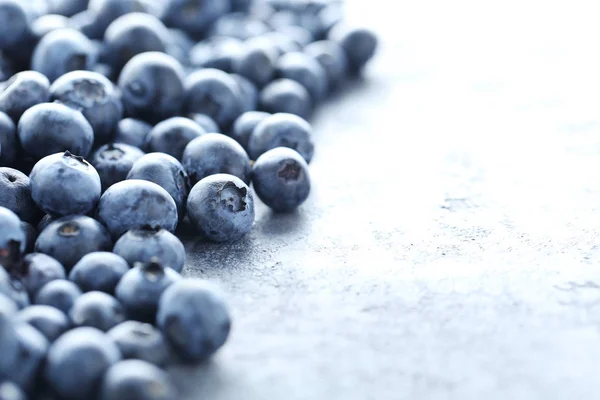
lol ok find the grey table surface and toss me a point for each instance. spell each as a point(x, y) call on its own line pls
point(449, 249)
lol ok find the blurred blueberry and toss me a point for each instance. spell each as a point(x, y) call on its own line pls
point(30, 236)
point(256, 62)
point(106, 11)
point(280, 42)
point(332, 58)
point(9, 143)
point(33, 347)
point(15, 194)
point(305, 70)
point(15, 23)
point(98, 310)
point(142, 341)
point(48, 23)
point(282, 130)
point(172, 135)
point(86, 22)
point(12, 238)
point(239, 25)
point(99, 271)
point(59, 293)
point(11, 391)
point(45, 221)
point(359, 44)
point(179, 45)
point(136, 379)
point(22, 91)
point(298, 34)
point(249, 93)
point(49, 321)
point(218, 52)
point(37, 269)
point(244, 126)
point(133, 132)
point(113, 161)
point(286, 96)
point(67, 8)
point(193, 16)
point(205, 122)
point(12, 288)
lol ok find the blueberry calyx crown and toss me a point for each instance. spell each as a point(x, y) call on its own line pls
point(289, 172)
point(233, 197)
point(70, 156)
point(112, 153)
point(153, 270)
point(69, 229)
point(145, 231)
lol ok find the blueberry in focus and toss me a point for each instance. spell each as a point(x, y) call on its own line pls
point(195, 319)
point(133, 132)
point(140, 288)
point(219, 52)
point(281, 180)
point(50, 128)
point(98, 310)
point(95, 96)
point(215, 153)
point(257, 62)
point(304, 69)
point(70, 238)
point(59, 293)
point(172, 135)
point(332, 58)
point(77, 361)
point(11, 391)
point(152, 86)
point(221, 208)
point(244, 126)
point(99, 271)
point(249, 93)
point(136, 379)
point(142, 341)
point(286, 96)
point(193, 16)
point(113, 161)
point(134, 203)
point(282, 130)
point(359, 44)
point(12, 238)
point(167, 172)
point(9, 143)
point(49, 321)
point(205, 122)
point(64, 184)
point(22, 91)
point(37, 269)
point(32, 350)
point(15, 194)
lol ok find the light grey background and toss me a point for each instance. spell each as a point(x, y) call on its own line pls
point(449, 249)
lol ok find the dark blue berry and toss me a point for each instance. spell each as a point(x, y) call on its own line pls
point(15, 26)
point(22, 91)
point(193, 16)
point(245, 124)
point(106, 11)
point(67, 8)
point(97, 310)
point(32, 350)
point(172, 135)
point(218, 52)
point(12, 237)
point(12, 288)
point(239, 25)
point(136, 379)
point(99, 271)
point(8, 336)
point(49, 321)
point(58, 293)
point(282, 130)
point(15, 194)
point(37, 269)
point(304, 69)
point(30, 236)
point(257, 62)
point(133, 132)
point(286, 96)
point(142, 341)
point(249, 93)
point(48, 23)
point(113, 162)
point(332, 58)
point(179, 45)
point(205, 122)
point(359, 44)
point(9, 143)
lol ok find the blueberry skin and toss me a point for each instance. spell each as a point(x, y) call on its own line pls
point(8, 336)
point(147, 244)
point(12, 237)
point(45, 221)
point(282, 130)
point(15, 26)
point(50, 128)
point(22, 91)
point(239, 25)
point(9, 143)
point(67, 8)
point(218, 52)
point(249, 93)
point(304, 69)
point(49, 321)
point(98, 310)
point(141, 287)
point(59, 293)
point(132, 34)
point(133, 132)
point(286, 96)
point(30, 236)
point(215, 153)
point(221, 208)
point(99, 271)
point(205, 122)
point(152, 86)
point(136, 379)
point(167, 172)
point(194, 17)
point(280, 42)
point(12, 288)
point(257, 62)
point(70, 238)
point(64, 184)
point(11, 391)
point(95, 96)
point(77, 361)
point(134, 203)
point(179, 45)
point(48, 23)
point(245, 124)
point(33, 348)
point(298, 34)
point(15, 194)
point(172, 135)
point(281, 179)
point(113, 162)
point(359, 44)
point(61, 51)
point(214, 93)
point(106, 11)
point(194, 317)
point(38, 269)
point(332, 58)
point(142, 341)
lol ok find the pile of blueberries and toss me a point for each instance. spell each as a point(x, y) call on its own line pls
point(120, 120)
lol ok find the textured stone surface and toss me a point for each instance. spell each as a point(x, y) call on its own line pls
point(449, 249)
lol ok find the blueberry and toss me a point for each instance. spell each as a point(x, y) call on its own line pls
point(221, 208)
point(15, 19)
point(286, 96)
point(172, 135)
point(152, 86)
point(136, 379)
point(329, 16)
point(58, 293)
point(298, 34)
point(242, 5)
point(281, 179)
point(304, 69)
point(15, 194)
point(132, 34)
point(214, 93)
point(30, 236)
point(12, 238)
point(113, 162)
point(9, 143)
point(95, 96)
point(12, 288)
point(359, 44)
point(86, 22)
point(332, 58)
point(11, 391)
point(99, 271)
point(62, 51)
point(282, 130)
point(179, 45)
point(193, 16)
point(7, 67)
point(64, 184)
point(67, 8)
point(257, 62)
point(280, 42)
point(48, 23)
point(215, 153)
point(134, 203)
point(239, 25)
point(245, 124)
point(70, 238)
point(77, 361)
point(141, 287)
point(32, 350)
point(45, 221)
point(205, 122)
point(194, 317)
point(133, 132)
point(22, 91)
point(106, 11)
point(37, 269)
point(218, 52)
point(97, 310)
point(146, 244)
point(168, 173)
point(49, 321)
point(142, 341)
point(249, 93)
point(8, 336)
point(50, 128)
